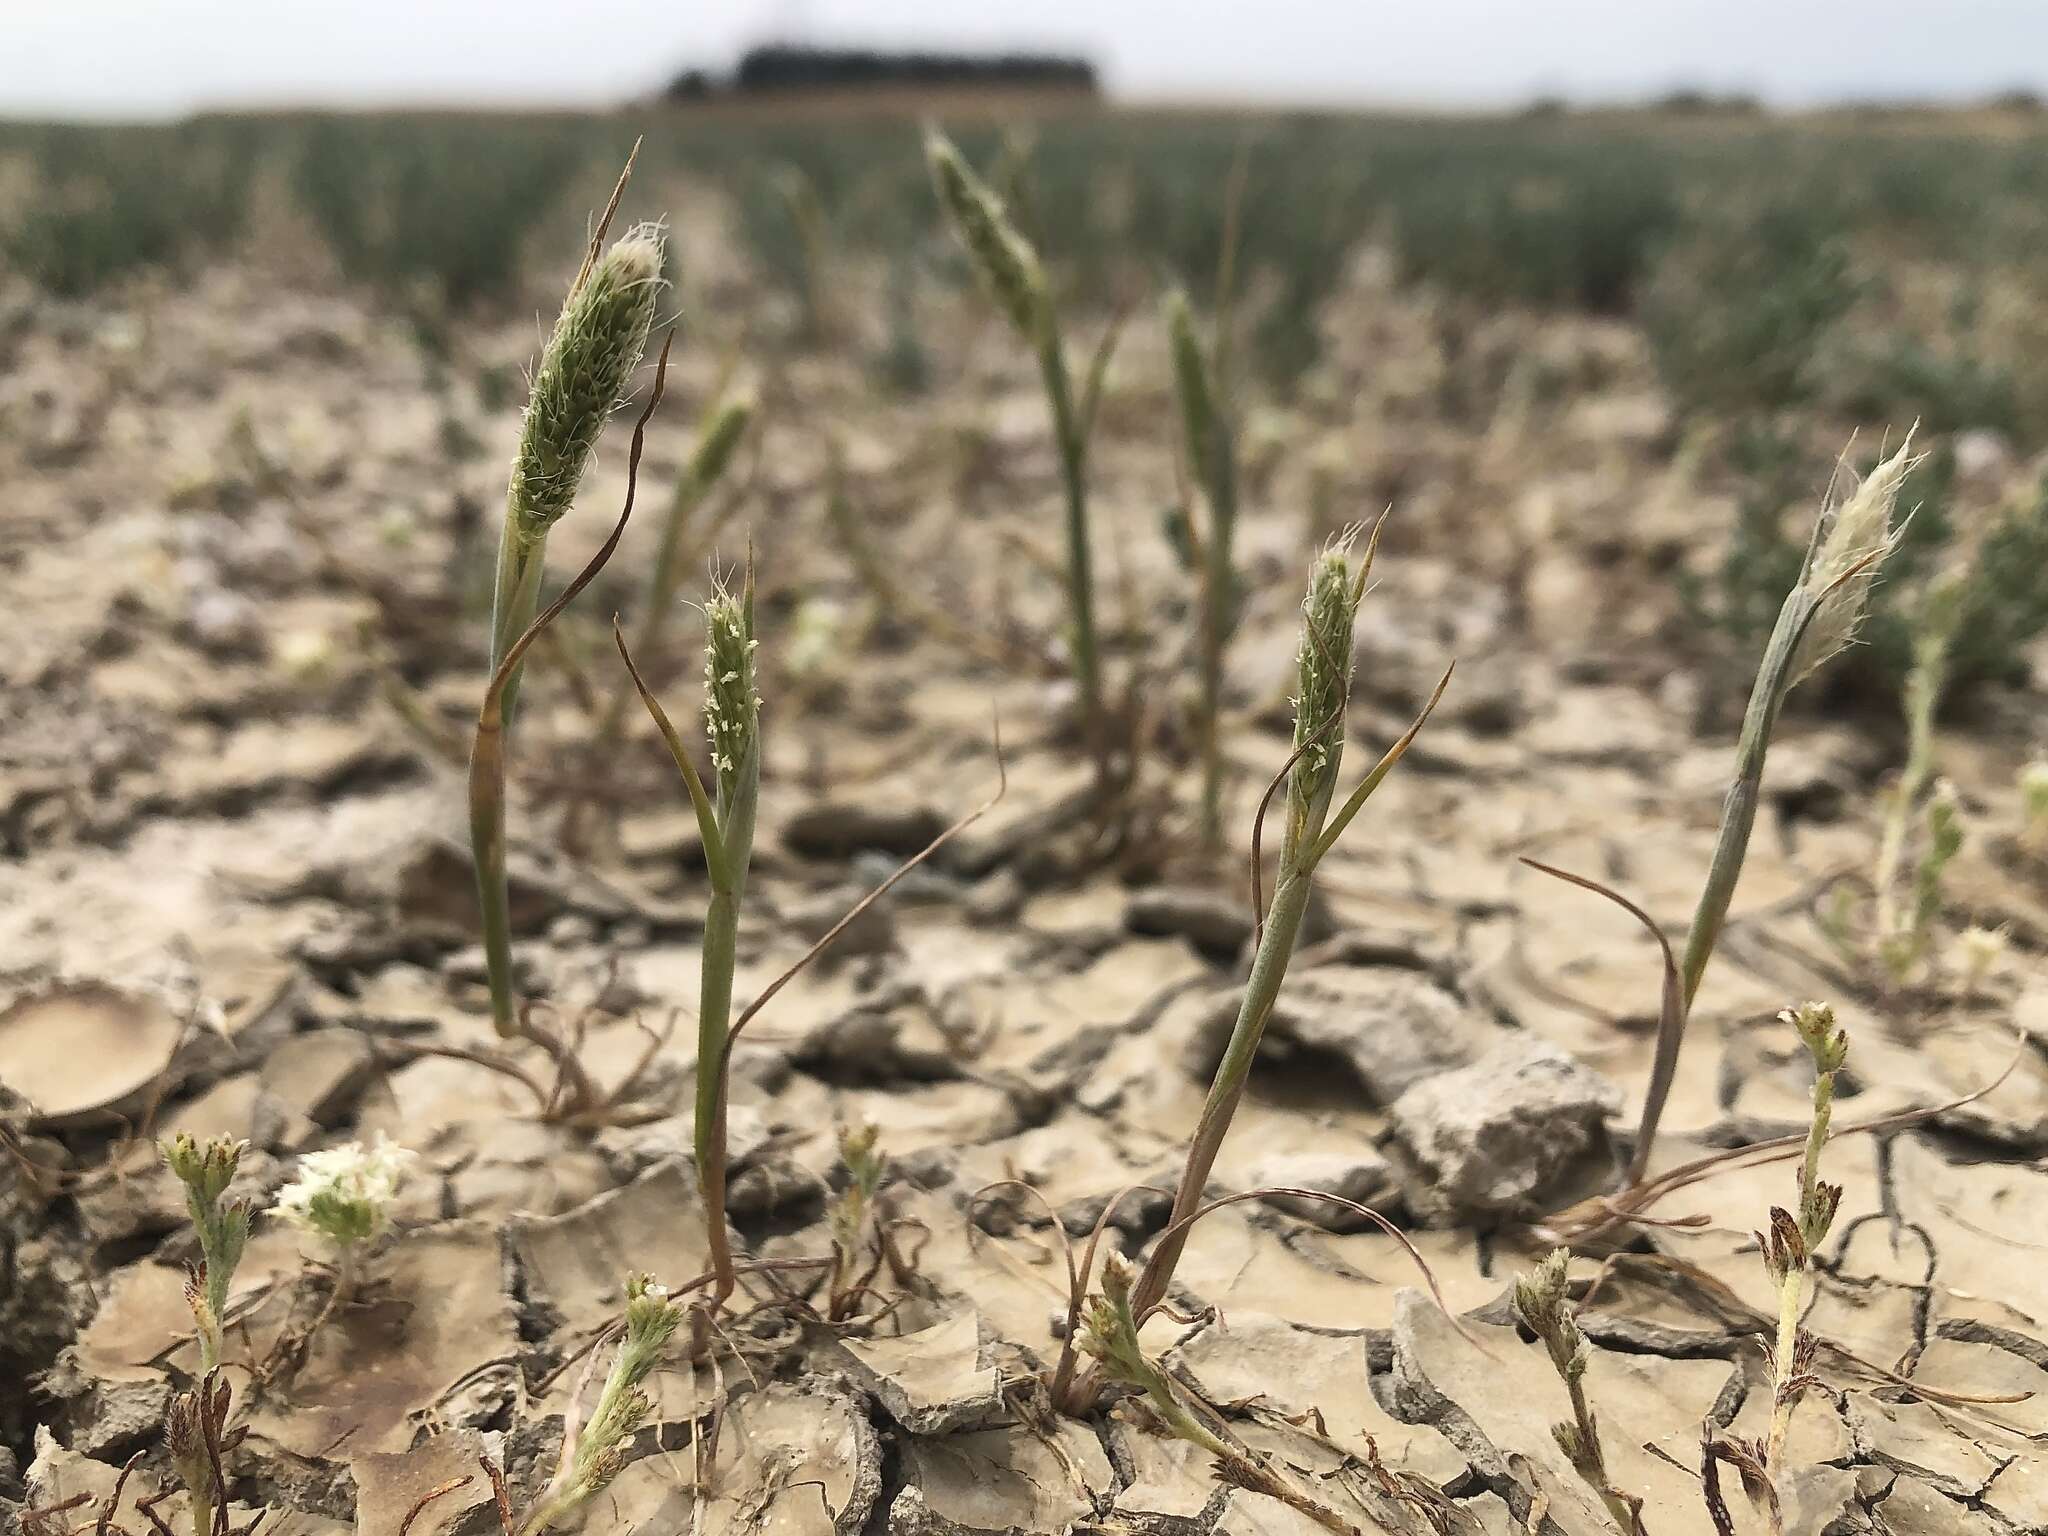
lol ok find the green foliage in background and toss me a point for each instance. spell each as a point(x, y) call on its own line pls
point(103, 203)
point(434, 211)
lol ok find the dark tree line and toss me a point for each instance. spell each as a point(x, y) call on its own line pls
point(795, 67)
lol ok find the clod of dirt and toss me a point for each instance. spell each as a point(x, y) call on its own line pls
point(1393, 1027)
point(1268, 1365)
point(1646, 1405)
point(840, 829)
point(47, 1294)
point(83, 1051)
point(932, 1382)
point(631, 1150)
point(431, 1336)
point(319, 1075)
point(873, 932)
point(1360, 1174)
point(1009, 1479)
point(1214, 921)
point(1488, 1139)
point(390, 1483)
point(575, 1264)
point(793, 1460)
point(106, 1420)
point(57, 1474)
point(893, 1037)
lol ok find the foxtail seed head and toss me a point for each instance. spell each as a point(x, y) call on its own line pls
point(583, 374)
point(1323, 681)
point(1191, 385)
point(720, 437)
point(1856, 537)
point(732, 709)
point(1007, 265)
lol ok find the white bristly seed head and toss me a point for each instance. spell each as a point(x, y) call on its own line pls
point(1859, 534)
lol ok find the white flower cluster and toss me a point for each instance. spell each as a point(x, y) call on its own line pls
point(344, 1193)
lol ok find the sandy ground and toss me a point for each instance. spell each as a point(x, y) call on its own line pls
point(236, 899)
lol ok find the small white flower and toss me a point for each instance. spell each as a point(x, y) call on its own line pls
point(1978, 951)
point(344, 1193)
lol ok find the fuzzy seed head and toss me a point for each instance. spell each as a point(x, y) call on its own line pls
point(1543, 1300)
point(583, 374)
point(1003, 258)
point(652, 1315)
point(1109, 1328)
point(1191, 385)
point(1784, 1246)
point(720, 437)
point(1323, 675)
point(1119, 1277)
point(206, 1171)
point(732, 709)
point(1819, 1214)
point(1858, 535)
point(857, 1151)
point(1815, 1025)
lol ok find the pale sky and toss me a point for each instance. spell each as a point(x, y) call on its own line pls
point(155, 58)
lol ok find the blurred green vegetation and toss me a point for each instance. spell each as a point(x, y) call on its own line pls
point(1759, 254)
point(1791, 277)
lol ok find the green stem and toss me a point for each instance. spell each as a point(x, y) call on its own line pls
point(714, 1011)
point(1791, 1302)
point(1080, 575)
point(1218, 597)
point(514, 601)
point(1923, 693)
point(1809, 1172)
point(1731, 845)
point(487, 837)
point(1262, 991)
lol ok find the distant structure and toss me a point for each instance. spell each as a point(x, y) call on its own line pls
point(776, 68)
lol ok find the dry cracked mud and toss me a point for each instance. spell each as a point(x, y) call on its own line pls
point(236, 900)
